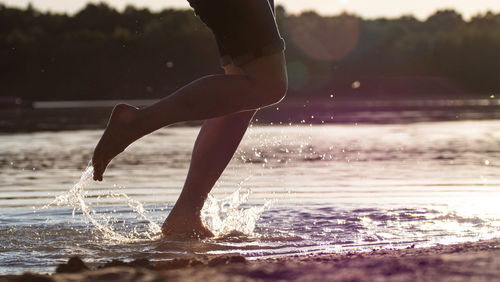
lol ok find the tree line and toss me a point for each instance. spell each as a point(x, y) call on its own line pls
point(102, 53)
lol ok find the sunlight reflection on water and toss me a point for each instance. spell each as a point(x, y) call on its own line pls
point(306, 190)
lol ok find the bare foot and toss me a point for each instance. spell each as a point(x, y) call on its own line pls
point(120, 132)
point(185, 227)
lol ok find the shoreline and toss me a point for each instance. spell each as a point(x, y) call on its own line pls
point(89, 116)
point(470, 261)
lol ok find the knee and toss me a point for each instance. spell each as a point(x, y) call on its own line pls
point(271, 90)
point(269, 77)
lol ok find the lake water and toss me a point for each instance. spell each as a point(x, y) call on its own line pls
point(292, 189)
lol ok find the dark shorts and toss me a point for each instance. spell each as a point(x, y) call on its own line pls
point(244, 29)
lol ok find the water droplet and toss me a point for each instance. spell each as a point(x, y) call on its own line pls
point(75, 198)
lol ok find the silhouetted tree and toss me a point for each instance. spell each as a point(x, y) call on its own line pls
point(101, 53)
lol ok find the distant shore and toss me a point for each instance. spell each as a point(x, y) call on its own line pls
point(77, 115)
point(474, 261)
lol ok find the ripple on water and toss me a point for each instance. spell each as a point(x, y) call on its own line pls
point(333, 188)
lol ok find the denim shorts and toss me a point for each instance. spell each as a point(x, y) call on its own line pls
point(244, 29)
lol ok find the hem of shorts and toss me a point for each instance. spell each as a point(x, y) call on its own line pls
point(238, 61)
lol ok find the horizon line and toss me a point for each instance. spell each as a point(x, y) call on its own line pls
point(288, 12)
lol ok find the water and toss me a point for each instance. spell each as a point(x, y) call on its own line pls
point(288, 190)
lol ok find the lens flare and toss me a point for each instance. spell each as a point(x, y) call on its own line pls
point(326, 40)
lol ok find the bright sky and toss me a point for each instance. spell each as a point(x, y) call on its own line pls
point(365, 8)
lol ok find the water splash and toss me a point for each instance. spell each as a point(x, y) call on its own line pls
point(222, 217)
point(227, 216)
point(75, 198)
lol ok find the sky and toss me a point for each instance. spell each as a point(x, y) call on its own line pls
point(365, 8)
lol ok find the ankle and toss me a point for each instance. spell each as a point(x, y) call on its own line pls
point(146, 122)
point(185, 212)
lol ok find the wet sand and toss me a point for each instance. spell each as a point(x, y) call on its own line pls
point(476, 261)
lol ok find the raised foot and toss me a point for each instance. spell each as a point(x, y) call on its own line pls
point(182, 227)
point(120, 132)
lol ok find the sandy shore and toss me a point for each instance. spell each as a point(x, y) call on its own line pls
point(477, 261)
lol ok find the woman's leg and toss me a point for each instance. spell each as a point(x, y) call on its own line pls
point(263, 82)
point(216, 143)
